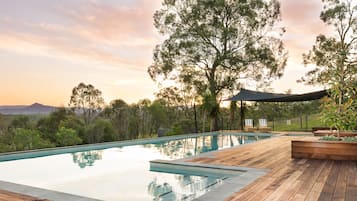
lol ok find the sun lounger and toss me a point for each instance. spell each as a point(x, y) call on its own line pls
point(263, 125)
point(248, 125)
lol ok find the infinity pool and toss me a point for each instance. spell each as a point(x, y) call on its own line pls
point(123, 172)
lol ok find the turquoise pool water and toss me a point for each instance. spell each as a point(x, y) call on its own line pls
point(123, 172)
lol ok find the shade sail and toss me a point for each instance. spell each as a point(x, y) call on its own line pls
point(248, 95)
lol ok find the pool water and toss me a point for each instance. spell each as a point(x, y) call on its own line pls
point(122, 173)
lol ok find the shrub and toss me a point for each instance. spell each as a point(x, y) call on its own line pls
point(101, 130)
point(334, 138)
point(350, 139)
point(67, 137)
point(330, 138)
point(25, 139)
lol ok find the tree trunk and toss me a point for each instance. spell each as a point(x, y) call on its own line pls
point(204, 122)
point(233, 108)
point(196, 126)
point(214, 106)
point(214, 119)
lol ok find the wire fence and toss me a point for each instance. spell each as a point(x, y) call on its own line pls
point(302, 123)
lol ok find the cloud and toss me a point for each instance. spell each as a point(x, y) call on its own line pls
point(302, 23)
point(117, 35)
point(34, 44)
point(117, 24)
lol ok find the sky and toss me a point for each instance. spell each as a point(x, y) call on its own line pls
point(49, 47)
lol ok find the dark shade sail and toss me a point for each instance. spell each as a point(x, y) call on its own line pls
point(248, 95)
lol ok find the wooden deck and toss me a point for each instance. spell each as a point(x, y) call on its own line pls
point(289, 179)
point(10, 196)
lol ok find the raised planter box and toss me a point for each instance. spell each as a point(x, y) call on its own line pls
point(330, 150)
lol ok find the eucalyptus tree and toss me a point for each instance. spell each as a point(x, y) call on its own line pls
point(335, 58)
point(143, 116)
point(180, 102)
point(213, 44)
point(119, 113)
point(173, 100)
point(87, 100)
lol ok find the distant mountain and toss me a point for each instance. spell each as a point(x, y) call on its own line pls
point(35, 108)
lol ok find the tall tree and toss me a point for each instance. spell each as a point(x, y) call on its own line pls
point(119, 113)
point(335, 58)
point(87, 100)
point(212, 44)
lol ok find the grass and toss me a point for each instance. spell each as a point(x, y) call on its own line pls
point(297, 124)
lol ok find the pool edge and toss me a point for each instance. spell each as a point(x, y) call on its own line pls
point(42, 193)
point(232, 184)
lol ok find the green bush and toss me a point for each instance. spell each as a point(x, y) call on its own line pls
point(175, 130)
point(5, 148)
point(26, 139)
point(101, 130)
point(334, 138)
point(330, 138)
point(350, 139)
point(67, 137)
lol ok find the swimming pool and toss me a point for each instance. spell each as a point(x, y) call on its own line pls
point(121, 171)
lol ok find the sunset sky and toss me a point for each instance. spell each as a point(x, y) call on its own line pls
point(48, 47)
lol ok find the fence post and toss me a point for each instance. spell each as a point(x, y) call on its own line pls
point(273, 123)
point(306, 121)
point(300, 121)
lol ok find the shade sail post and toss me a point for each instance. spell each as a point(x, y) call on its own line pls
point(241, 115)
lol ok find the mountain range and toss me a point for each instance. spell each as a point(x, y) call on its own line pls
point(35, 108)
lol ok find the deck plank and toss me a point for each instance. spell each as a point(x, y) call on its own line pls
point(351, 190)
point(288, 179)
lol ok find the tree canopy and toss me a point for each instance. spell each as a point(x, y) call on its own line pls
point(213, 44)
point(335, 58)
point(87, 100)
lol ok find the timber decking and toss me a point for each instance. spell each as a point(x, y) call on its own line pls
point(289, 179)
point(10, 196)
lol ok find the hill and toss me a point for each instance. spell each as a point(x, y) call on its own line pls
point(35, 108)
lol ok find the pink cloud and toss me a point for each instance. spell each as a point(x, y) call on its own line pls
point(302, 23)
point(114, 23)
point(35, 44)
point(112, 34)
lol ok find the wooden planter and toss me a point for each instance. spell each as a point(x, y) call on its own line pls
point(330, 150)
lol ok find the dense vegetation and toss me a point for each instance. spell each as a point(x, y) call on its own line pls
point(168, 114)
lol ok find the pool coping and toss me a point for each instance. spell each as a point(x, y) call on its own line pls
point(229, 186)
point(42, 193)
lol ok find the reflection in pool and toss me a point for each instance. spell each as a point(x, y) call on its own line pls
point(86, 158)
point(122, 173)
